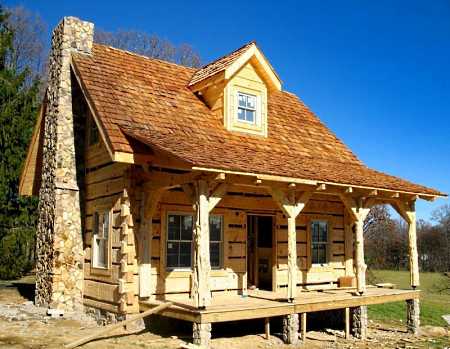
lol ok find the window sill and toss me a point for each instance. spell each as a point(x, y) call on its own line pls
point(183, 273)
point(101, 271)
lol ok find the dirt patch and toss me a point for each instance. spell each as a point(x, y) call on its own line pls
point(22, 325)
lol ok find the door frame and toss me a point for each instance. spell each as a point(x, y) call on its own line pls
point(274, 248)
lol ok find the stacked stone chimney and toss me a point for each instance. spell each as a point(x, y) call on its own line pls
point(59, 268)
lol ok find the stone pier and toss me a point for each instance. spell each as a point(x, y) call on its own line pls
point(359, 320)
point(413, 316)
point(59, 267)
point(202, 334)
point(290, 329)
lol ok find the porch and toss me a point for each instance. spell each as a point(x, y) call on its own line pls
point(265, 304)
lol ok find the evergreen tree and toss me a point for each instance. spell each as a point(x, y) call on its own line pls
point(18, 109)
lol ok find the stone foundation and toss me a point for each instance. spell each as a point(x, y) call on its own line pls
point(59, 246)
point(413, 316)
point(358, 318)
point(290, 329)
point(202, 334)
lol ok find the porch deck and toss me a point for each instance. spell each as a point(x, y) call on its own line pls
point(265, 304)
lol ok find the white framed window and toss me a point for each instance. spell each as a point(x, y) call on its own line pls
point(319, 242)
point(246, 111)
point(179, 247)
point(101, 234)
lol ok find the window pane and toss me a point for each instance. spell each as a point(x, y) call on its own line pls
point(251, 102)
point(323, 232)
point(173, 227)
point(100, 262)
point(314, 258)
point(185, 254)
point(241, 114)
point(321, 254)
point(214, 253)
point(172, 254)
point(105, 225)
point(315, 232)
point(250, 115)
point(215, 228)
point(241, 100)
point(186, 227)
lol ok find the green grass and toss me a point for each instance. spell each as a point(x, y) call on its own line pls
point(434, 302)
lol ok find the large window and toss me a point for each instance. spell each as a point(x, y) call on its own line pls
point(101, 233)
point(179, 241)
point(246, 108)
point(319, 242)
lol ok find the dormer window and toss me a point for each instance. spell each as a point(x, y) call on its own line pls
point(246, 108)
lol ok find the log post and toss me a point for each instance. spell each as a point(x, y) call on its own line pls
point(149, 202)
point(201, 292)
point(358, 210)
point(407, 211)
point(291, 204)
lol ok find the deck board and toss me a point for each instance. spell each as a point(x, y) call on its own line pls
point(261, 304)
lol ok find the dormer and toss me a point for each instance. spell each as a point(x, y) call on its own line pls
point(235, 87)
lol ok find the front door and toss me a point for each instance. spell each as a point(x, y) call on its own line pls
point(260, 251)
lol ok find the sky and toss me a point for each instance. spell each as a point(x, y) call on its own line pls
point(376, 72)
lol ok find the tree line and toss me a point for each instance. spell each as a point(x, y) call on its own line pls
point(386, 241)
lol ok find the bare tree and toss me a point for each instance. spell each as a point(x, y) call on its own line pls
point(29, 36)
point(149, 45)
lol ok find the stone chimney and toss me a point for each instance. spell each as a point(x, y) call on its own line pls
point(60, 256)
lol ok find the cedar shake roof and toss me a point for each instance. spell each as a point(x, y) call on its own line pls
point(219, 65)
point(149, 101)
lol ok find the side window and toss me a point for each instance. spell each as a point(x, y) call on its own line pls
point(216, 241)
point(179, 241)
point(100, 245)
point(319, 242)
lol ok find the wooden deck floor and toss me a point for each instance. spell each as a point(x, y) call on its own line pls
point(262, 304)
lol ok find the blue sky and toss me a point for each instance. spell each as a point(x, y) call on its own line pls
point(376, 72)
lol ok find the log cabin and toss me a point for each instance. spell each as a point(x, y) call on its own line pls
point(212, 188)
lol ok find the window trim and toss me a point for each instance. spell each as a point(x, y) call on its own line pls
point(327, 243)
point(166, 240)
point(97, 269)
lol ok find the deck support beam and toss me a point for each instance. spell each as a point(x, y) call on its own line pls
point(290, 329)
point(291, 204)
point(267, 327)
point(413, 316)
point(202, 334)
point(303, 326)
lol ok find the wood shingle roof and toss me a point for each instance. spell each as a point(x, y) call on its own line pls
point(149, 100)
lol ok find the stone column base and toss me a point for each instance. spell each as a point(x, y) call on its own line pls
point(290, 329)
point(358, 317)
point(202, 334)
point(413, 316)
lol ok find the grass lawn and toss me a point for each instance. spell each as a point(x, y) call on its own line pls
point(434, 302)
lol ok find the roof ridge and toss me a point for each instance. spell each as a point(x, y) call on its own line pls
point(146, 57)
point(228, 54)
